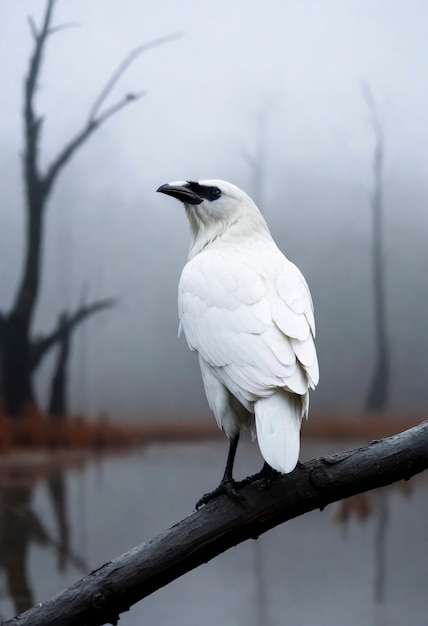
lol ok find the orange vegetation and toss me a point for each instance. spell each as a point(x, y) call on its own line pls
point(362, 427)
point(37, 430)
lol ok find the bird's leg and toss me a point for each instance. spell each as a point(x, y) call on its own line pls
point(267, 473)
point(227, 484)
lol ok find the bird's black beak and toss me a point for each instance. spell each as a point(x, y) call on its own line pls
point(181, 192)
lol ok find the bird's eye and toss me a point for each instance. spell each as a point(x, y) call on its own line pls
point(215, 193)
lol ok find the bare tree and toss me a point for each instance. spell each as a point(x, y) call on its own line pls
point(377, 396)
point(256, 158)
point(103, 595)
point(19, 356)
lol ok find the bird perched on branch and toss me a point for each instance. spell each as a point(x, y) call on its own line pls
point(247, 311)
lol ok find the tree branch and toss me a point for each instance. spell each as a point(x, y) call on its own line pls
point(121, 69)
point(111, 589)
point(95, 118)
point(31, 122)
point(42, 345)
point(371, 105)
point(56, 29)
point(33, 28)
point(28, 286)
point(70, 148)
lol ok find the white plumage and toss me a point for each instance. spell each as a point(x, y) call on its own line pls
point(247, 311)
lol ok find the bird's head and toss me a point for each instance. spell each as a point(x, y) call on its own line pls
point(213, 207)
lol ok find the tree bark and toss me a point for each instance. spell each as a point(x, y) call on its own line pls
point(16, 384)
point(103, 595)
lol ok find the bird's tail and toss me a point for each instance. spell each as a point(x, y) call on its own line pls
point(278, 420)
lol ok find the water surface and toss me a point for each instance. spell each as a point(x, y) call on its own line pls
point(361, 562)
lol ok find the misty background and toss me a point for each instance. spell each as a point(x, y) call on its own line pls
point(276, 81)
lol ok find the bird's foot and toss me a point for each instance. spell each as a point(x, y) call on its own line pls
point(226, 487)
point(267, 474)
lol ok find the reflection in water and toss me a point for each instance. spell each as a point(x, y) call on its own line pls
point(374, 504)
point(380, 544)
point(262, 617)
point(358, 506)
point(56, 485)
point(21, 526)
point(56, 489)
point(304, 572)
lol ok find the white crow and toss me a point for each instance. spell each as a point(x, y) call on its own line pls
point(247, 311)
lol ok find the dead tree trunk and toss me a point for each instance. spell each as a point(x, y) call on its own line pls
point(378, 392)
point(256, 158)
point(16, 373)
point(17, 380)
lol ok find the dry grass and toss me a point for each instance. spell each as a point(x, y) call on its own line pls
point(362, 427)
point(36, 430)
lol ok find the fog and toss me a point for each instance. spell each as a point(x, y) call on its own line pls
point(299, 65)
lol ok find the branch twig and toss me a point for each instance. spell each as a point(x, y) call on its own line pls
point(121, 69)
point(95, 118)
point(42, 345)
point(33, 28)
point(56, 29)
point(368, 96)
point(32, 123)
point(111, 589)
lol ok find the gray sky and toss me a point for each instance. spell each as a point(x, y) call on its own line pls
point(108, 231)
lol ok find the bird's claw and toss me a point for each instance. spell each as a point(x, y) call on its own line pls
point(226, 487)
point(267, 474)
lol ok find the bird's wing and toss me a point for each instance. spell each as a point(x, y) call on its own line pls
point(249, 315)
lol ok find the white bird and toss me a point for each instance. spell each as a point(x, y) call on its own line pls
point(248, 313)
